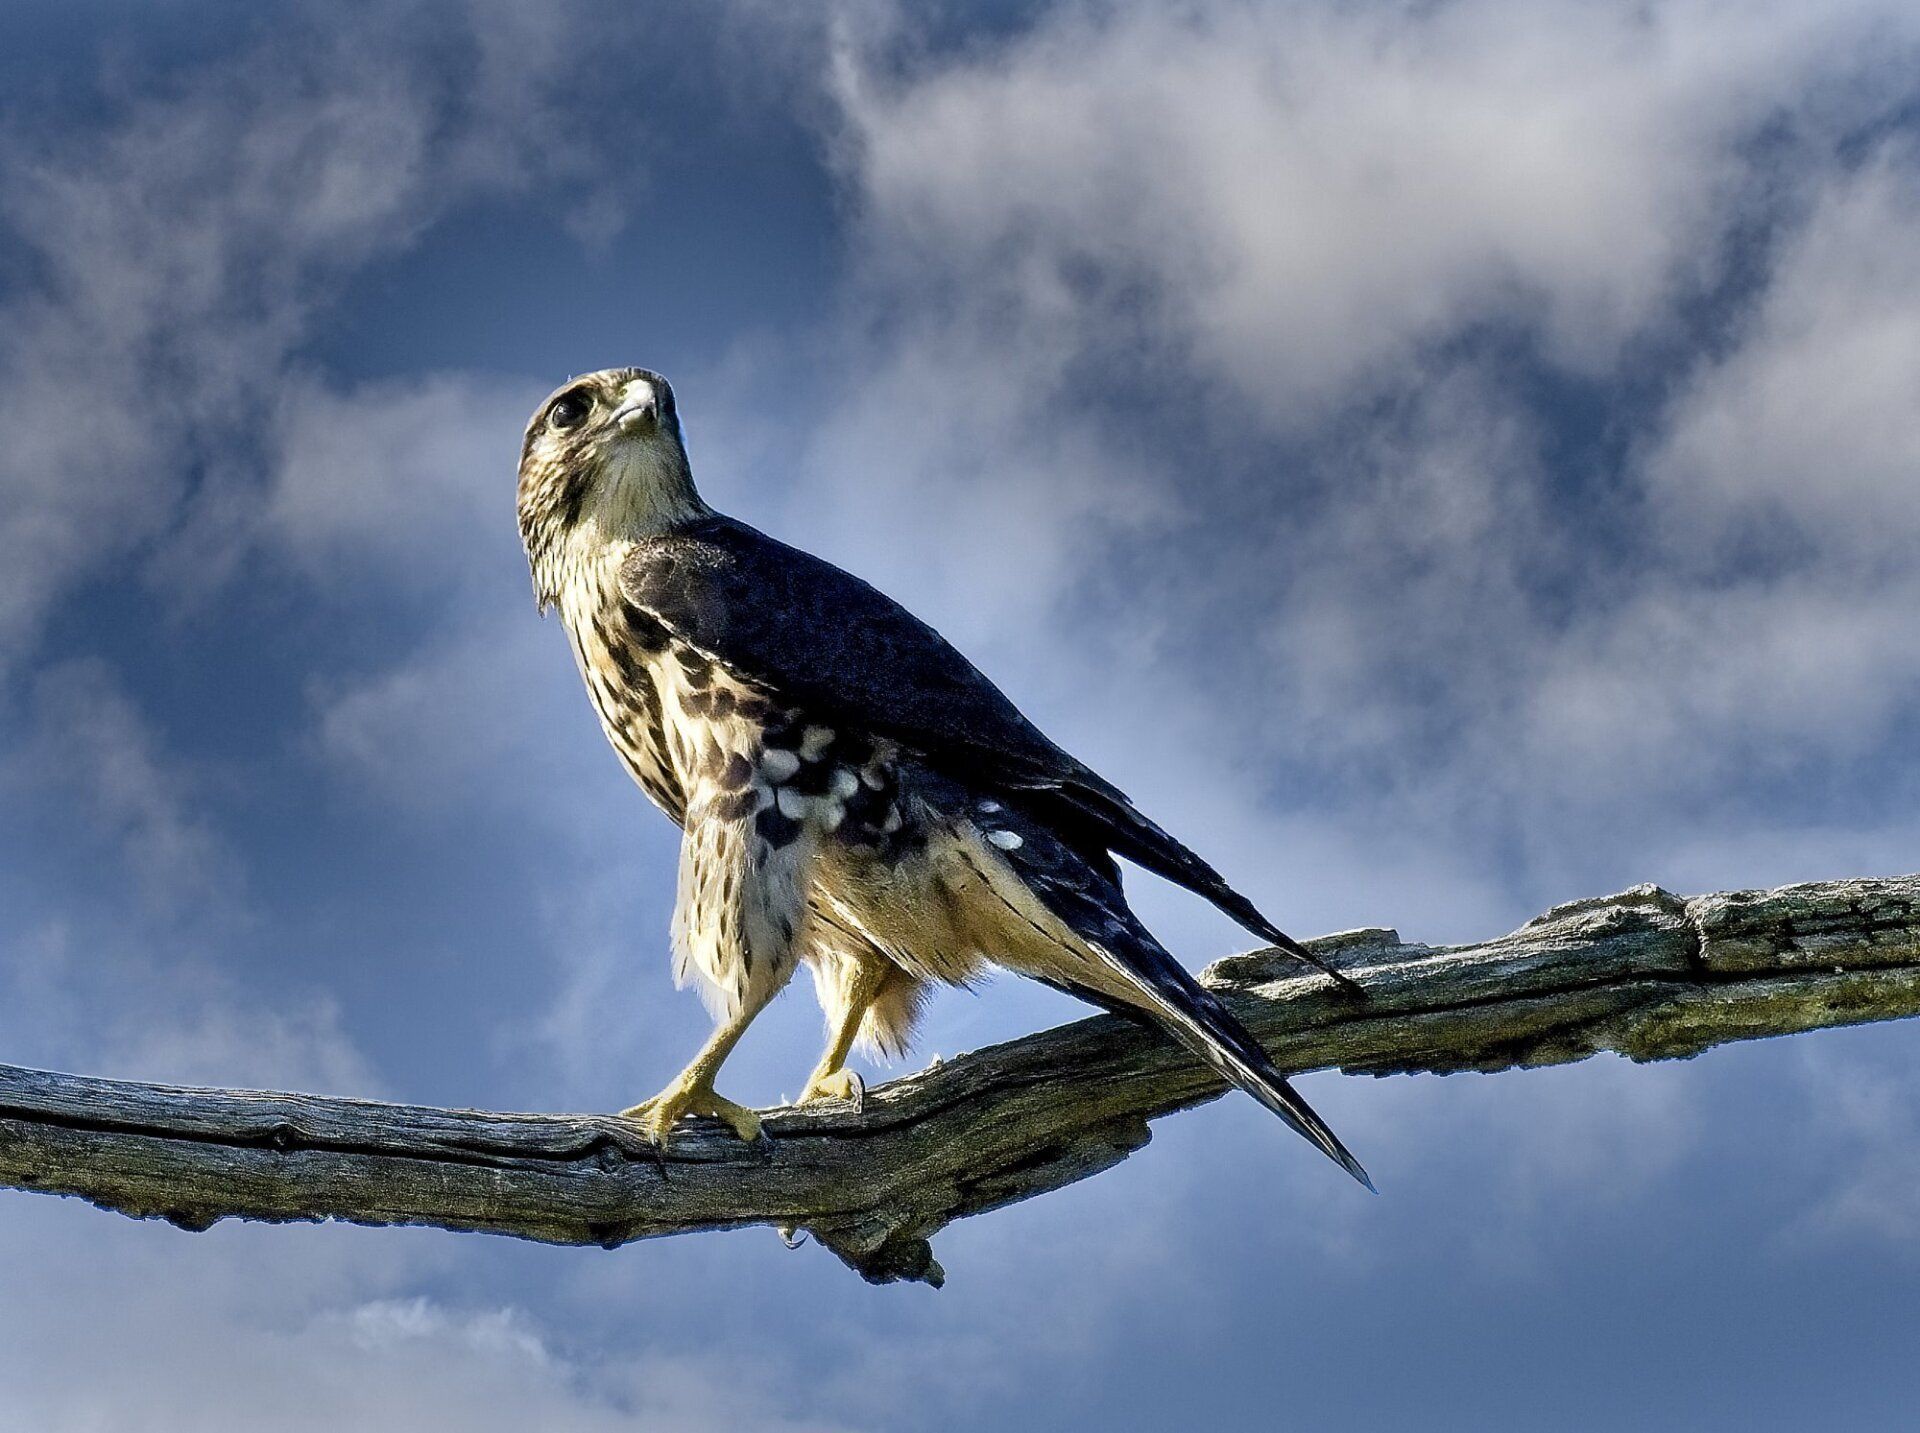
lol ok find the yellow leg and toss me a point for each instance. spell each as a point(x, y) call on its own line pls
point(831, 1079)
point(692, 1093)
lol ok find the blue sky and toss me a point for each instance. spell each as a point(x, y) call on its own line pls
point(1442, 459)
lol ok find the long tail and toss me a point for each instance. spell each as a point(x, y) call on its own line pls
point(1162, 990)
point(1196, 1017)
point(1149, 983)
point(1139, 838)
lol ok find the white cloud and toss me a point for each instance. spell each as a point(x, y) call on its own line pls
point(947, 468)
point(108, 994)
point(405, 481)
point(1685, 683)
point(1293, 221)
point(1801, 439)
point(1859, 1096)
point(1778, 618)
point(1297, 196)
point(477, 715)
point(182, 248)
point(89, 741)
point(219, 1039)
point(126, 984)
point(1306, 221)
point(294, 1329)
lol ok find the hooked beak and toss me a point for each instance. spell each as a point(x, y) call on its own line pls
point(639, 410)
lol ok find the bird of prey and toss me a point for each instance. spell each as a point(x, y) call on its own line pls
point(854, 794)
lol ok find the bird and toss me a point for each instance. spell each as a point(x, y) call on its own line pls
point(854, 795)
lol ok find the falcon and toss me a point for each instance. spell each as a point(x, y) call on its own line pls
point(854, 795)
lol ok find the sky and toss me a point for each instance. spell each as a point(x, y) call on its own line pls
point(1442, 459)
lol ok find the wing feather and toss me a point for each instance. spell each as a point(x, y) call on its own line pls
point(809, 634)
point(820, 638)
point(1094, 910)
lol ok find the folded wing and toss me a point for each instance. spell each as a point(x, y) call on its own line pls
point(812, 636)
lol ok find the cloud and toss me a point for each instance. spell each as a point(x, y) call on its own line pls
point(1346, 427)
point(1859, 1095)
point(125, 980)
point(1329, 326)
point(397, 496)
point(90, 743)
point(471, 716)
point(110, 995)
point(182, 247)
point(1799, 441)
point(329, 1339)
point(405, 482)
point(1294, 199)
point(1783, 513)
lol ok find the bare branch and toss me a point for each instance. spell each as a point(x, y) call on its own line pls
point(1643, 973)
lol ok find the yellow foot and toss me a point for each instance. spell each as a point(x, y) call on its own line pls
point(658, 1115)
point(839, 1085)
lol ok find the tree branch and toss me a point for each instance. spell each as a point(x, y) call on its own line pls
point(1643, 973)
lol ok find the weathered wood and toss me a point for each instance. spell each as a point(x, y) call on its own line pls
point(1643, 973)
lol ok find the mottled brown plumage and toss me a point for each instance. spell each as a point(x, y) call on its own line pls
point(854, 793)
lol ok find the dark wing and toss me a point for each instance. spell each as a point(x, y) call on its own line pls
point(1166, 996)
point(821, 639)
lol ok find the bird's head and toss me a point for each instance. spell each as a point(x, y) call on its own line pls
point(602, 460)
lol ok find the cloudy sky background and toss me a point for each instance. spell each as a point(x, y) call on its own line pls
point(1444, 459)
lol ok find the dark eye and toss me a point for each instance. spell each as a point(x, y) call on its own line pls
point(569, 410)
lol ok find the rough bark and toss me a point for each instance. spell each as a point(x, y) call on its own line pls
point(1643, 973)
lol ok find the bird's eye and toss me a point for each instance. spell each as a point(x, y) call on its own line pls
point(569, 410)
